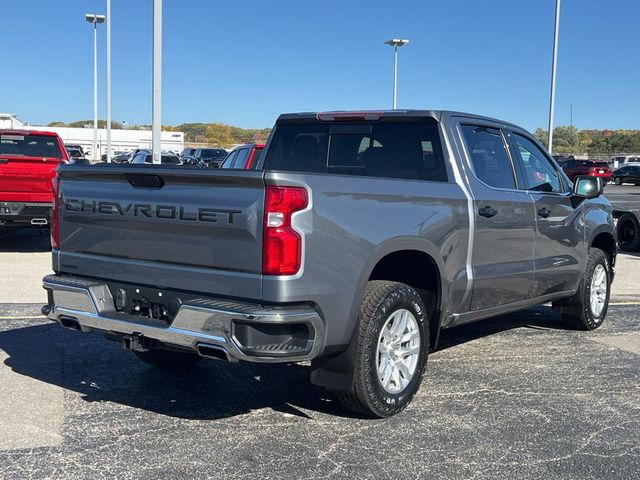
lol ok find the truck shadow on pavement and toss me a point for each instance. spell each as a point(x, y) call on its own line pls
point(101, 371)
point(28, 240)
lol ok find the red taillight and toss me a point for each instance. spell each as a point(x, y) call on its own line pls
point(54, 225)
point(282, 245)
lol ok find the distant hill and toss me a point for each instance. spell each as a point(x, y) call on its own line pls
point(213, 133)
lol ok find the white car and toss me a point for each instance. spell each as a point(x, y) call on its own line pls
point(623, 159)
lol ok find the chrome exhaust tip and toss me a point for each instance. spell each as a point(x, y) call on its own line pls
point(39, 221)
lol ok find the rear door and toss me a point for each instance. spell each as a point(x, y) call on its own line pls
point(188, 229)
point(27, 165)
point(559, 241)
point(503, 252)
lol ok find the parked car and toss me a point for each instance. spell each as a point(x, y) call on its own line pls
point(187, 152)
point(123, 157)
point(561, 159)
point(28, 160)
point(146, 157)
point(354, 246)
point(574, 168)
point(209, 157)
point(76, 156)
point(627, 174)
point(77, 147)
point(243, 157)
point(623, 160)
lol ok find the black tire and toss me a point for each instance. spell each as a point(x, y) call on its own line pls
point(628, 232)
point(577, 311)
point(617, 181)
point(381, 300)
point(168, 359)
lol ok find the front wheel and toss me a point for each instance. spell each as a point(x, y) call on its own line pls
point(392, 343)
point(617, 181)
point(587, 309)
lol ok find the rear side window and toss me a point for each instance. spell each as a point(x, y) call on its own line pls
point(408, 150)
point(30, 145)
point(489, 157)
point(241, 159)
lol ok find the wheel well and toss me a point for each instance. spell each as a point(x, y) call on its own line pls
point(606, 242)
point(418, 270)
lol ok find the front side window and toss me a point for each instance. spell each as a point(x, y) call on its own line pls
point(538, 173)
point(489, 156)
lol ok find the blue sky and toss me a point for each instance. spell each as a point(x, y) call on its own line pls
point(246, 61)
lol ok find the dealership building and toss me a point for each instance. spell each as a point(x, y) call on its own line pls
point(120, 139)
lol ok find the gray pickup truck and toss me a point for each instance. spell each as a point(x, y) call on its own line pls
point(357, 238)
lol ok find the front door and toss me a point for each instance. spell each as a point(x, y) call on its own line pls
point(503, 266)
point(559, 234)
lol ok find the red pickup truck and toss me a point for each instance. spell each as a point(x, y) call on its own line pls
point(28, 161)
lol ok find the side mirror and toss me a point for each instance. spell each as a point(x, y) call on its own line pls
point(587, 187)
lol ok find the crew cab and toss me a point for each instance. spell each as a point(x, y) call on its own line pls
point(28, 160)
point(357, 240)
point(243, 157)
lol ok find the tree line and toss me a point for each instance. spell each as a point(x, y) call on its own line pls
point(218, 134)
point(567, 139)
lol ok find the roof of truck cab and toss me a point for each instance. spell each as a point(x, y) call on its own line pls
point(388, 114)
point(9, 131)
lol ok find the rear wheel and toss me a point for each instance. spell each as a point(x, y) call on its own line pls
point(628, 232)
point(391, 351)
point(617, 181)
point(587, 309)
point(168, 359)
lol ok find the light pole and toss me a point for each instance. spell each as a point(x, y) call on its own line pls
point(553, 74)
point(95, 20)
point(108, 81)
point(156, 140)
point(395, 43)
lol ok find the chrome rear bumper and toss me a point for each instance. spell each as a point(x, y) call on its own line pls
point(200, 322)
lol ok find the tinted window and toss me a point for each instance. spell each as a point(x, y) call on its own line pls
point(489, 157)
point(228, 162)
point(408, 150)
point(29, 145)
point(241, 159)
point(538, 172)
point(212, 153)
point(256, 157)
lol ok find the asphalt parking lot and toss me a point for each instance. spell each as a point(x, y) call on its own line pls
point(512, 397)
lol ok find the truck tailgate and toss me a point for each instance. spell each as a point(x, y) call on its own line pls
point(170, 227)
point(26, 179)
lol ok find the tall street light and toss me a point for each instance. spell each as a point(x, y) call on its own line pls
point(553, 74)
point(108, 81)
point(395, 43)
point(156, 117)
point(95, 19)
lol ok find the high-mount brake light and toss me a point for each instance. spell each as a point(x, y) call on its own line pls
point(282, 245)
point(55, 209)
point(349, 116)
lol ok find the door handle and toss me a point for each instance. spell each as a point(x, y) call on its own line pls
point(487, 212)
point(544, 212)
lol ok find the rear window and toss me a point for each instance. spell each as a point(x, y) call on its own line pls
point(29, 145)
point(409, 150)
